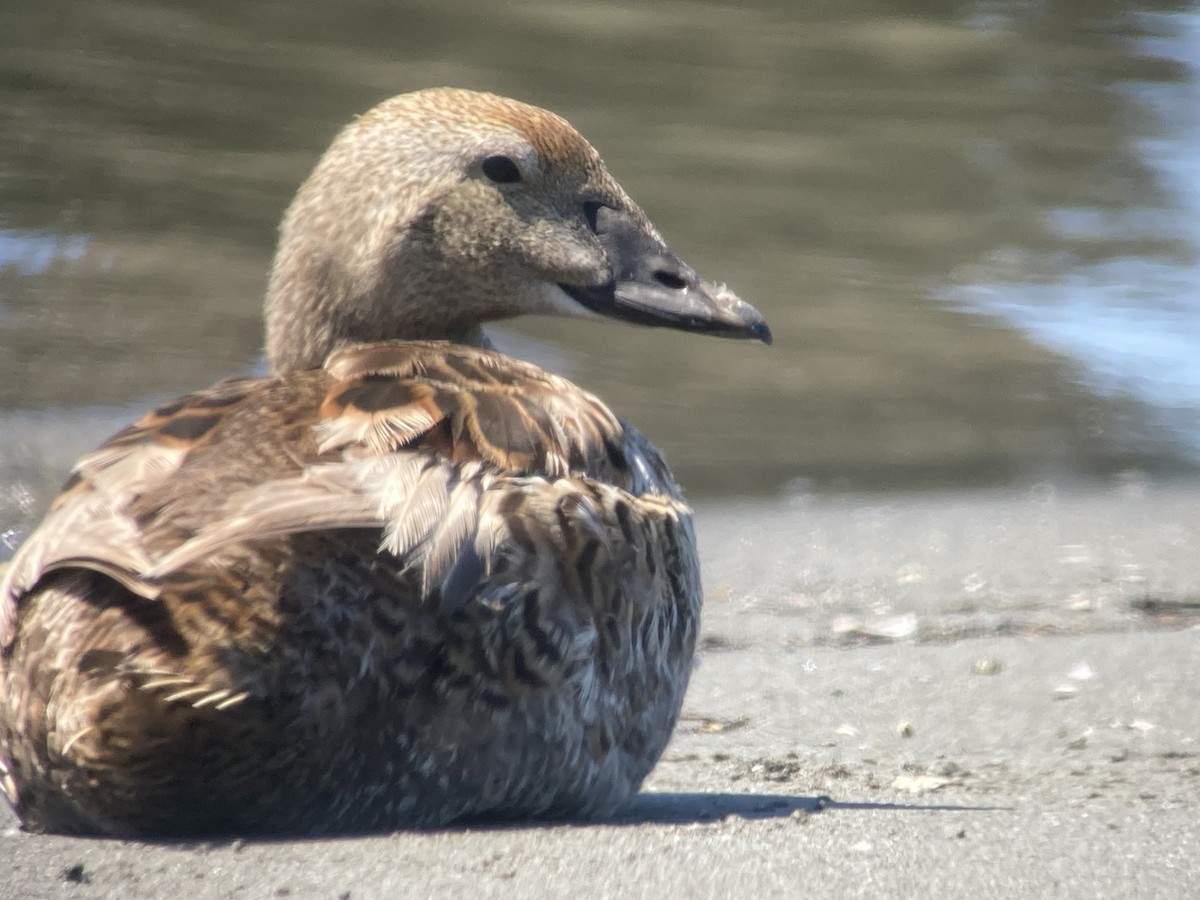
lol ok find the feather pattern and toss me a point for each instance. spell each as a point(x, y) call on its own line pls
point(488, 489)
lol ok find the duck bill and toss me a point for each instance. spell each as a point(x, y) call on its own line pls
point(652, 286)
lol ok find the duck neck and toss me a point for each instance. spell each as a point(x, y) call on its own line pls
point(309, 316)
point(311, 353)
point(473, 337)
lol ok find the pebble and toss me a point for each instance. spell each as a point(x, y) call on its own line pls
point(1082, 672)
point(986, 666)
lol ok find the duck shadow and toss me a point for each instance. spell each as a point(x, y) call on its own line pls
point(684, 808)
point(665, 808)
point(656, 808)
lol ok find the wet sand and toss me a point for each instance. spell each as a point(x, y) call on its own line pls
point(954, 695)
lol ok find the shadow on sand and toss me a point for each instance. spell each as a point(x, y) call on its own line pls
point(676, 808)
point(665, 808)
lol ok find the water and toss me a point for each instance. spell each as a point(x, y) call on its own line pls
point(1132, 321)
point(972, 226)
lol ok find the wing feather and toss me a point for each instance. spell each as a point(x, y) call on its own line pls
point(428, 442)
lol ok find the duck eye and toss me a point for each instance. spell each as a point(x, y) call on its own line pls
point(501, 170)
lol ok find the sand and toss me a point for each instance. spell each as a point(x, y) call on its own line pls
point(947, 696)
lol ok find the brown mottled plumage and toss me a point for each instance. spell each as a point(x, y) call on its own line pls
point(395, 583)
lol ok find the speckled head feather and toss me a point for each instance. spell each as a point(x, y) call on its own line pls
point(470, 113)
point(398, 231)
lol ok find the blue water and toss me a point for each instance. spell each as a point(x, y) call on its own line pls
point(32, 253)
point(1131, 324)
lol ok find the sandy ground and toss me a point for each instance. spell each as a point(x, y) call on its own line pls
point(948, 696)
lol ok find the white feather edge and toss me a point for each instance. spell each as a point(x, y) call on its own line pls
point(407, 494)
point(92, 532)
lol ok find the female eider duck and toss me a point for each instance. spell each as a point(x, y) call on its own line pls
point(405, 579)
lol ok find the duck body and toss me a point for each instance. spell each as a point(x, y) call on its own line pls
point(418, 583)
point(521, 648)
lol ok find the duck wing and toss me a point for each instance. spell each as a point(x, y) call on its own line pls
point(91, 524)
point(449, 450)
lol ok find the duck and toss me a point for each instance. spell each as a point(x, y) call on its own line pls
point(401, 580)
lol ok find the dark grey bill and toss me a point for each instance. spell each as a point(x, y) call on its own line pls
point(653, 286)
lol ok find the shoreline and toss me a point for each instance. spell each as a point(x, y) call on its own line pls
point(996, 690)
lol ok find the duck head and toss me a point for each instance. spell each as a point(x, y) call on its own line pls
point(443, 209)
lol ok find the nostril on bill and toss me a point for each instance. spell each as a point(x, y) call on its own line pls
point(669, 280)
point(591, 212)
